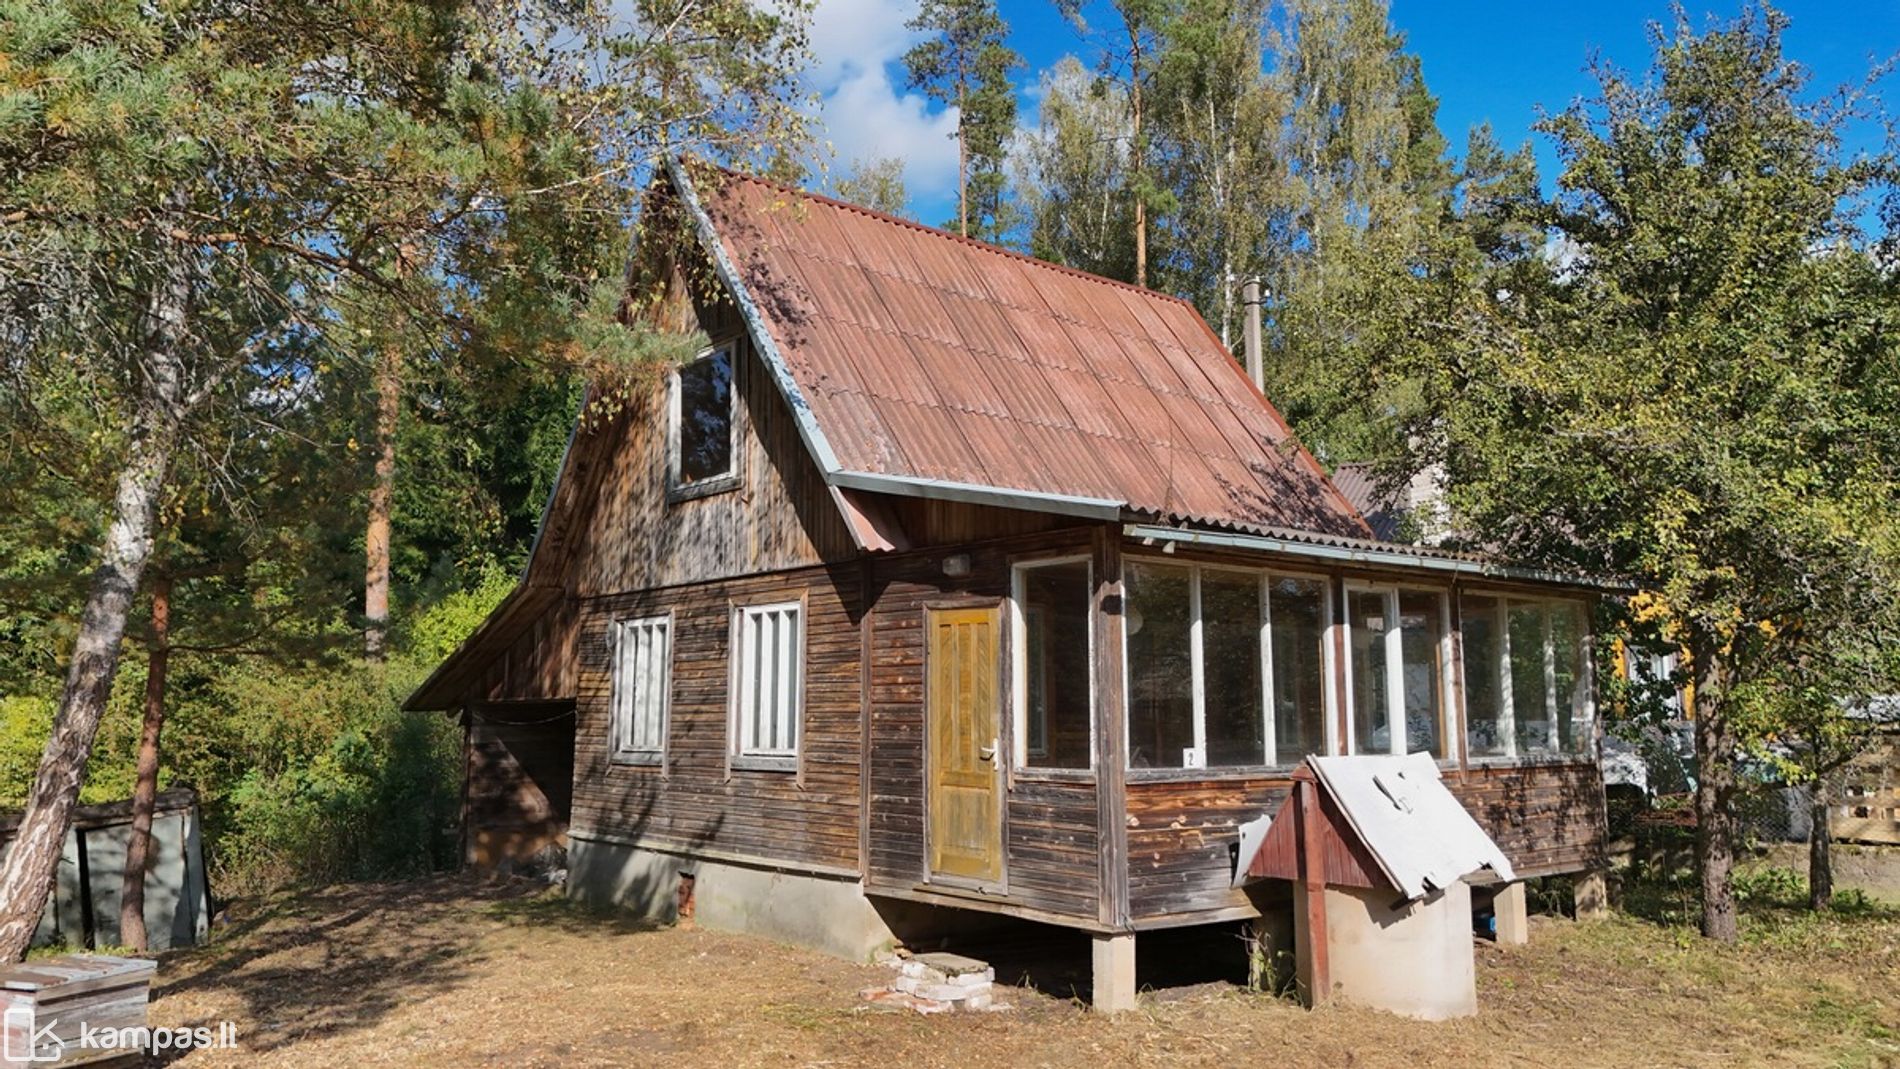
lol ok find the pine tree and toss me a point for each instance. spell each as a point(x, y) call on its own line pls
point(1128, 56)
point(186, 197)
point(1216, 120)
point(966, 64)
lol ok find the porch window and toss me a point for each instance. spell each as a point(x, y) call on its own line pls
point(1226, 668)
point(1296, 611)
point(701, 446)
point(1232, 668)
point(1161, 685)
point(1054, 669)
point(641, 673)
point(1527, 681)
point(767, 679)
point(1398, 670)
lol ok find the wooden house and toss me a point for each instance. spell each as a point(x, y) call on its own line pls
point(948, 582)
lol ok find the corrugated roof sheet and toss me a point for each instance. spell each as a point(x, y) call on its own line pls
point(1384, 513)
point(924, 355)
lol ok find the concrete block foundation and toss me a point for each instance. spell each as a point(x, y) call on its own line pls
point(825, 913)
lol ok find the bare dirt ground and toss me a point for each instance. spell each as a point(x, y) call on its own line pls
point(454, 972)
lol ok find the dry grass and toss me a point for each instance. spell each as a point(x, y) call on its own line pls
point(449, 972)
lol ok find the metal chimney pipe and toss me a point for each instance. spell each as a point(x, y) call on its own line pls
point(1250, 344)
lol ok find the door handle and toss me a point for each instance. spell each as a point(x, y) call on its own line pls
point(987, 753)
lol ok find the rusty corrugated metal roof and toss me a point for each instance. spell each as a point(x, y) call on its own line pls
point(926, 356)
point(1383, 512)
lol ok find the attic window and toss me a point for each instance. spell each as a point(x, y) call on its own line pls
point(701, 444)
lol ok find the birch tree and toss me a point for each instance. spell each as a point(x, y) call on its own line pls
point(186, 191)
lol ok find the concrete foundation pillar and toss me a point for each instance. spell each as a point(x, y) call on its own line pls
point(1512, 916)
point(1114, 973)
point(1591, 892)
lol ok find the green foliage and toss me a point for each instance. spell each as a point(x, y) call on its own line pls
point(964, 63)
point(306, 773)
point(1072, 178)
point(877, 184)
point(1771, 885)
point(24, 724)
point(341, 784)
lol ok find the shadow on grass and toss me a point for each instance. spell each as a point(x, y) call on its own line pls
point(319, 962)
point(551, 909)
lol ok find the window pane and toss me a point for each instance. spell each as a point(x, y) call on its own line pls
point(768, 658)
point(1484, 698)
point(1230, 651)
point(705, 421)
point(1528, 693)
point(1055, 701)
point(1421, 625)
point(1160, 674)
point(639, 686)
point(1297, 609)
point(1566, 642)
point(1370, 714)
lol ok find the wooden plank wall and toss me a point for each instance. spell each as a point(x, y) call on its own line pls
point(1182, 834)
point(781, 516)
point(1867, 801)
point(1182, 837)
point(692, 802)
point(1547, 818)
point(1051, 845)
point(541, 661)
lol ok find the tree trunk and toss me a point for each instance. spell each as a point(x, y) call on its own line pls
point(1715, 747)
point(382, 493)
point(1139, 159)
point(138, 849)
point(1820, 849)
point(26, 873)
point(963, 164)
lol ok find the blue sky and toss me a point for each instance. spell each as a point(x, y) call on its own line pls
point(1496, 61)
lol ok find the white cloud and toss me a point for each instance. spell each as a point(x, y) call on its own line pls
point(856, 45)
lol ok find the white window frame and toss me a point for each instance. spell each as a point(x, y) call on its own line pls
point(1198, 670)
point(712, 484)
point(1019, 661)
point(1507, 694)
point(790, 695)
point(623, 693)
point(1450, 722)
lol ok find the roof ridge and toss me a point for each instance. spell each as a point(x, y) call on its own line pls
point(898, 220)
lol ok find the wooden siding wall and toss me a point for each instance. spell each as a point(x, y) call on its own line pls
point(1547, 818)
point(692, 803)
point(1052, 852)
point(1183, 835)
point(541, 662)
point(781, 516)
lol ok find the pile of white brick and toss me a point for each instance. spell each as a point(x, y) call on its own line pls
point(934, 983)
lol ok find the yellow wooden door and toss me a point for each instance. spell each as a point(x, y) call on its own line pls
point(963, 713)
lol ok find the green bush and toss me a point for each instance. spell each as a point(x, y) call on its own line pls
point(342, 785)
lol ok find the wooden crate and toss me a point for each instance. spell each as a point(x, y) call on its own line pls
point(67, 992)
